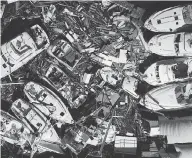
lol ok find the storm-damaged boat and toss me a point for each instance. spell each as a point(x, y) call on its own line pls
point(170, 19)
point(14, 131)
point(167, 71)
point(178, 44)
point(21, 134)
point(21, 49)
point(60, 81)
point(169, 97)
point(48, 102)
point(45, 136)
point(64, 53)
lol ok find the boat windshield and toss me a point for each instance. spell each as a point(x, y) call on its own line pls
point(184, 94)
point(177, 38)
point(180, 70)
point(176, 42)
point(187, 14)
point(157, 72)
point(177, 47)
point(188, 42)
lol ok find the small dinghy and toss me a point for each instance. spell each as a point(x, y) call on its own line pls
point(48, 102)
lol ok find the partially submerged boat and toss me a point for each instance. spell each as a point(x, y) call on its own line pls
point(48, 102)
point(169, 97)
point(178, 44)
point(167, 71)
point(170, 19)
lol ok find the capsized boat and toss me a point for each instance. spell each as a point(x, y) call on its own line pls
point(167, 71)
point(169, 97)
point(48, 102)
point(170, 19)
point(45, 136)
point(178, 44)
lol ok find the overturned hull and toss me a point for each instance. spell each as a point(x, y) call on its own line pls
point(47, 102)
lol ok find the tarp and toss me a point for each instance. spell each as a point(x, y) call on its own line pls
point(177, 130)
point(184, 150)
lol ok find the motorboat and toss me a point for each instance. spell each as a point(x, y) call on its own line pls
point(169, 97)
point(48, 102)
point(44, 135)
point(178, 44)
point(168, 71)
point(29, 115)
point(170, 19)
point(23, 48)
point(13, 130)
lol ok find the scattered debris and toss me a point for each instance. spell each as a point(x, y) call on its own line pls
point(71, 79)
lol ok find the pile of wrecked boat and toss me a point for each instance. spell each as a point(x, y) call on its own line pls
point(63, 112)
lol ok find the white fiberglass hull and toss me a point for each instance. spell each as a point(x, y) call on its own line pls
point(47, 101)
point(165, 98)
